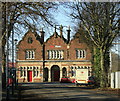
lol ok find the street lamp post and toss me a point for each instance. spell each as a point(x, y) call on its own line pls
point(7, 53)
point(13, 66)
point(15, 60)
point(7, 73)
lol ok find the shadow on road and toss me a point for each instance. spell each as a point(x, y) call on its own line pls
point(59, 92)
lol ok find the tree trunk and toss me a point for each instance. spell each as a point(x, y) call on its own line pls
point(3, 65)
point(103, 81)
point(96, 66)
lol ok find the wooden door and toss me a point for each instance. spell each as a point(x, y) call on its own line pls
point(29, 76)
point(56, 75)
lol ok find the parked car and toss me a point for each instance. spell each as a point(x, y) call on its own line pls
point(72, 80)
point(65, 80)
point(91, 80)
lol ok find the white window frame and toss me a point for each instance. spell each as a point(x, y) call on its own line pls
point(80, 53)
point(55, 54)
point(23, 72)
point(30, 54)
point(36, 72)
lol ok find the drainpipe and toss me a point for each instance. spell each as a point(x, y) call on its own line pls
point(61, 30)
point(43, 52)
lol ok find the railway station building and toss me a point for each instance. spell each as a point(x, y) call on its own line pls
point(50, 60)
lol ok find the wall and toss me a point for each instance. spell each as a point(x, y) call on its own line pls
point(115, 79)
point(23, 45)
point(76, 44)
point(55, 42)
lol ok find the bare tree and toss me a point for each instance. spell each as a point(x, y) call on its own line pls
point(26, 15)
point(101, 22)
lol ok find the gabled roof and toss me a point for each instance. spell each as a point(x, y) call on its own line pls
point(38, 38)
point(65, 40)
point(76, 36)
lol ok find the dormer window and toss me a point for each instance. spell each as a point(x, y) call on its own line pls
point(30, 40)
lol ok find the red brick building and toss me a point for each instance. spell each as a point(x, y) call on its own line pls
point(39, 61)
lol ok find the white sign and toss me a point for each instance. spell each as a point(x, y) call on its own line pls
point(57, 46)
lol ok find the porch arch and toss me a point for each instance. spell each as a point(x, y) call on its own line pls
point(55, 73)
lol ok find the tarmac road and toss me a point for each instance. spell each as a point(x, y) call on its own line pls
point(62, 92)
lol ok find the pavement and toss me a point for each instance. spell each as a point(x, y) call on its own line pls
point(11, 97)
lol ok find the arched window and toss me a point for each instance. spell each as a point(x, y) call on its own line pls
point(30, 40)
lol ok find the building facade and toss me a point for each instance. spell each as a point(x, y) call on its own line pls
point(49, 61)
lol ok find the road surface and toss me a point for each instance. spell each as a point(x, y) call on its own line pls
point(62, 92)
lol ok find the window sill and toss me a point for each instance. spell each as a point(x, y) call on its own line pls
point(36, 77)
point(56, 59)
point(30, 59)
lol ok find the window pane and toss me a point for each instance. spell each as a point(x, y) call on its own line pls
point(48, 54)
point(30, 40)
point(24, 73)
point(37, 73)
point(76, 53)
point(55, 54)
point(52, 54)
point(84, 53)
point(21, 73)
point(80, 53)
point(30, 54)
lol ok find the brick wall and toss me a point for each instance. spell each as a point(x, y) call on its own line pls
point(24, 45)
point(53, 43)
point(76, 44)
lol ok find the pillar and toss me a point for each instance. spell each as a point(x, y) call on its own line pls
point(49, 75)
point(60, 73)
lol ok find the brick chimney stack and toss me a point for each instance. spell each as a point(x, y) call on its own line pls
point(61, 30)
point(55, 33)
point(42, 35)
point(68, 34)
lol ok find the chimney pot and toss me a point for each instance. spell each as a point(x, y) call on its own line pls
point(55, 33)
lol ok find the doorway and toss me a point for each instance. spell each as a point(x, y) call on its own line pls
point(55, 73)
point(29, 76)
